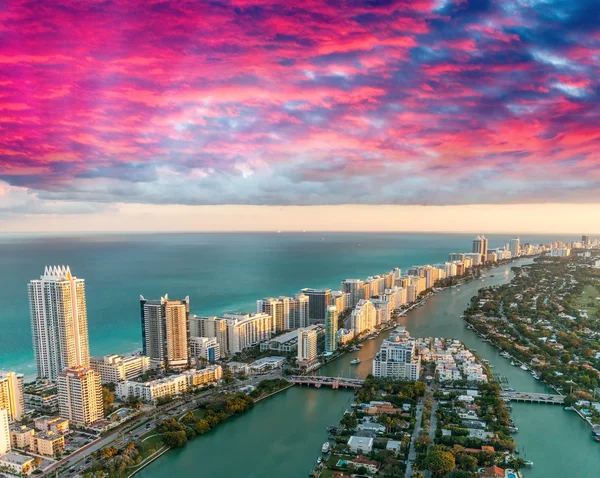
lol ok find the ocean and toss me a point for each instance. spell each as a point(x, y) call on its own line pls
point(220, 272)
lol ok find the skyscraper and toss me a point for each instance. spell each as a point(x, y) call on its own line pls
point(80, 395)
point(299, 311)
point(480, 246)
point(318, 301)
point(166, 331)
point(586, 240)
point(58, 321)
point(514, 246)
point(11, 394)
point(275, 308)
point(331, 328)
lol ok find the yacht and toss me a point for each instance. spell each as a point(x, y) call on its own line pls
point(326, 447)
point(528, 463)
point(535, 375)
point(319, 460)
point(513, 429)
point(524, 367)
point(512, 362)
point(355, 361)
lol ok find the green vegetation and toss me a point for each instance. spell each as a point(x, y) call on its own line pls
point(267, 387)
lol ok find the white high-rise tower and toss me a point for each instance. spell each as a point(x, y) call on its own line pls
point(58, 321)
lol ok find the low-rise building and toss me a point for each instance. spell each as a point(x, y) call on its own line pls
point(169, 386)
point(372, 466)
point(48, 444)
point(286, 343)
point(17, 463)
point(20, 436)
point(52, 424)
point(116, 368)
point(42, 397)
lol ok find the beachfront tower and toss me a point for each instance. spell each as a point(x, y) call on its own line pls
point(58, 321)
point(331, 327)
point(166, 331)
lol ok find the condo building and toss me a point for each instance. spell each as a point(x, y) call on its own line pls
point(58, 321)
point(353, 287)
point(275, 308)
point(307, 345)
point(331, 328)
point(116, 368)
point(480, 246)
point(205, 349)
point(514, 246)
point(318, 301)
point(166, 331)
point(11, 395)
point(170, 386)
point(5, 445)
point(363, 317)
point(211, 327)
point(299, 311)
point(80, 395)
point(397, 357)
point(245, 330)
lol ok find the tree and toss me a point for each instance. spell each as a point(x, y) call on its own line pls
point(175, 439)
point(439, 462)
point(108, 398)
point(361, 470)
point(228, 377)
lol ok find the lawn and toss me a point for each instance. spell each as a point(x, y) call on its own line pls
point(590, 293)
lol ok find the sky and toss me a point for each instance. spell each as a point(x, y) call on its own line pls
point(237, 114)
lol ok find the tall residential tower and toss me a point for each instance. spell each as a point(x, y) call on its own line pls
point(58, 321)
point(166, 331)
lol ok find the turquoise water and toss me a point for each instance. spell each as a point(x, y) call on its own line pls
point(220, 272)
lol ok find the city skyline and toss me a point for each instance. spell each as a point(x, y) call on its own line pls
point(231, 104)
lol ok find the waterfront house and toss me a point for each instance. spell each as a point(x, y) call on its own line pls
point(492, 472)
point(371, 465)
point(363, 445)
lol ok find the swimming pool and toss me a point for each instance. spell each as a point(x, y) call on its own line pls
point(511, 475)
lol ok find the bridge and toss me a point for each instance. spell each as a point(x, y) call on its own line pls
point(533, 397)
point(333, 382)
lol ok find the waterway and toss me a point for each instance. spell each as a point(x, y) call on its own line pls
point(282, 436)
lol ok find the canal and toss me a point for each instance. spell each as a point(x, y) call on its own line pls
point(282, 436)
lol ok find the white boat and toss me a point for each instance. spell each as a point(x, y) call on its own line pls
point(319, 460)
point(528, 463)
point(326, 447)
point(355, 361)
point(512, 362)
point(524, 367)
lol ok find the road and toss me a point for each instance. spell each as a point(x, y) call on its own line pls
point(76, 460)
point(412, 454)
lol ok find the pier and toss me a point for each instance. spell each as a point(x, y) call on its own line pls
point(333, 382)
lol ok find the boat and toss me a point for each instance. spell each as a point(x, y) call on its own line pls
point(528, 463)
point(536, 376)
point(355, 361)
point(510, 389)
point(319, 460)
point(569, 408)
point(524, 367)
point(513, 429)
point(512, 362)
point(505, 354)
point(326, 447)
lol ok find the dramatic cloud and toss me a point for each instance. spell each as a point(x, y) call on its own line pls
point(312, 102)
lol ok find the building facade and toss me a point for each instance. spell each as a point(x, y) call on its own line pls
point(206, 349)
point(331, 328)
point(11, 395)
point(116, 368)
point(363, 317)
point(5, 445)
point(480, 246)
point(318, 301)
point(80, 395)
point(59, 326)
point(307, 345)
point(166, 331)
point(245, 330)
point(397, 357)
